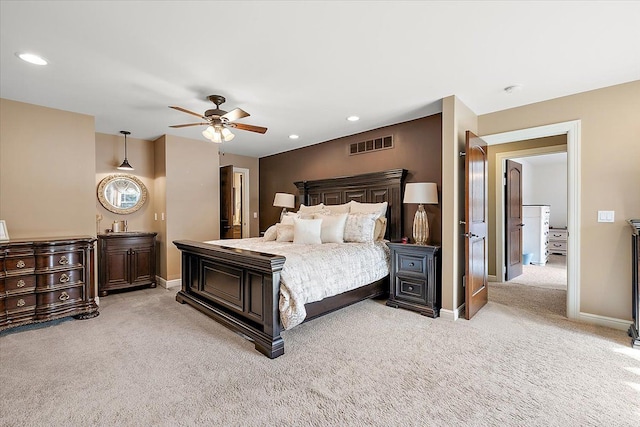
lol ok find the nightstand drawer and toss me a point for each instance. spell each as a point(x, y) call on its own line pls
point(411, 289)
point(410, 263)
point(557, 246)
point(558, 235)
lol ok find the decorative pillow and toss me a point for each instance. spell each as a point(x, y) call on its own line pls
point(307, 231)
point(332, 229)
point(379, 208)
point(284, 232)
point(381, 228)
point(287, 219)
point(360, 227)
point(271, 234)
point(337, 209)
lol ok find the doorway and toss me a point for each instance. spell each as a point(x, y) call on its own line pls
point(572, 131)
point(234, 202)
point(241, 201)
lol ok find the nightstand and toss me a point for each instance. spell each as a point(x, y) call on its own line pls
point(415, 278)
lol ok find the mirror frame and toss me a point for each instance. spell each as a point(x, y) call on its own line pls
point(108, 206)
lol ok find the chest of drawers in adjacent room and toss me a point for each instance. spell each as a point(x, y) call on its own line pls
point(126, 261)
point(558, 241)
point(46, 279)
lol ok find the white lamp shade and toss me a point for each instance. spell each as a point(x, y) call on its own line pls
point(421, 192)
point(226, 134)
point(284, 200)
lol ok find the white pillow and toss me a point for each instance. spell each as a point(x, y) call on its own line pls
point(337, 209)
point(381, 228)
point(271, 233)
point(379, 208)
point(332, 229)
point(307, 231)
point(287, 219)
point(311, 209)
point(284, 232)
point(360, 227)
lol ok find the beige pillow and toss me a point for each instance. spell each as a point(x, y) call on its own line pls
point(287, 219)
point(311, 209)
point(307, 231)
point(284, 232)
point(360, 227)
point(379, 208)
point(332, 229)
point(337, 209)
point(271, 234)
point(381, 228)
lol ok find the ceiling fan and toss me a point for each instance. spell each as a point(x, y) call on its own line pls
point(219, 121)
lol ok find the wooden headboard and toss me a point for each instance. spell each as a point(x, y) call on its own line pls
point(386, 186)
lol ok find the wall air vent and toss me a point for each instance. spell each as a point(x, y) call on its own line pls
point(370, 145)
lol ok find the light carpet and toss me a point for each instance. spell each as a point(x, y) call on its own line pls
point(552, 275)
point(150, 361)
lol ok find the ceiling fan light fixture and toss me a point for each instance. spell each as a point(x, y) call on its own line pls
point(227, 135)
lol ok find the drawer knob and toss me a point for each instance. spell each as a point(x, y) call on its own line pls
point(63, 296)
point(64, 278)
point(20, 302)
point(63, 260)
point(411, 264)
point(410, 288)
point(20, 264)
point(20, 283)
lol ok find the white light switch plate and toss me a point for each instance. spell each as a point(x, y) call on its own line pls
point(606, 216)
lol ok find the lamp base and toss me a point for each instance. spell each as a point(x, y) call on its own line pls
point(420, 226)
point(283, 213)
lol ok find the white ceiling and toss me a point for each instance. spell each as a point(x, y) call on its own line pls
point(303, 67)
point(544, 159)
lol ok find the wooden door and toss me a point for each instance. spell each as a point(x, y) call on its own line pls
point(226, 202)
point(513, 219)
point(476, 217)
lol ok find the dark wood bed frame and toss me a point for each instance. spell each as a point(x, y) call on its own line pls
point(241, 289)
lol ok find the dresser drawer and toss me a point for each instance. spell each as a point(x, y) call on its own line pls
point(558, 235)
point(15, 264)
point(60, 296)
point(557, 246)
point(20, 283)
point(410, 289)
point(410, 263)
point(59, 278)
point(59, 259)
point(20, 303)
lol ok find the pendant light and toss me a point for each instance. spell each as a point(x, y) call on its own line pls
point(125, 166)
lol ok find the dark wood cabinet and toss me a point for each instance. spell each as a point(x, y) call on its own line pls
point(634, 329)
point(126, 260)
point(415, 278)
point(46, 279)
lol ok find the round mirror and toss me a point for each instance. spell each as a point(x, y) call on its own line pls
point(122, 193)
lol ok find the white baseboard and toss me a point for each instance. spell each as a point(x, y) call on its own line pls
point(492, 278)
point(452, 314)
point(609, 322)
point(168, 283)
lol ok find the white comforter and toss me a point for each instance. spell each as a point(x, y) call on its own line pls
point(314, 272)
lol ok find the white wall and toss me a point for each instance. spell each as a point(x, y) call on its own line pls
point(544, 182)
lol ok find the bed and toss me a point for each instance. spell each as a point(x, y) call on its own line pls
point(240, 288)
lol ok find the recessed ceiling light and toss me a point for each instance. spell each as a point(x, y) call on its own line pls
point(353, 118)
point(32, 58)
point(293, 136)
point(512, 88)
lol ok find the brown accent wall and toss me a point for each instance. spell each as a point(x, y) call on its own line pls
point(253, 164)
point(417, 148)
point(47, 171)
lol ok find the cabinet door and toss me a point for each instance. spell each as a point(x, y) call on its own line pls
point(142, 265)
point(117, 268)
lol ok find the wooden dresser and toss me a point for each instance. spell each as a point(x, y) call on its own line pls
point(126, 260)
point(46, 279)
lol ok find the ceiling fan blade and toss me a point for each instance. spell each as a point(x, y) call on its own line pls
point(189, 124)
point(236, 114)
point(187, 111)
point(251, 128)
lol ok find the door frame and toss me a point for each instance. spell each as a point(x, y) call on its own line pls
point(572, 130)
point(246, 224)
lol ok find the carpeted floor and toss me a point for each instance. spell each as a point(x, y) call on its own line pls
point(147, 361)
point(552, 275)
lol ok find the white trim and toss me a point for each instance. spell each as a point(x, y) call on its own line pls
point(492, 278)
point(168, 283)
point(452, 314)
point(609, 322)
point(246, 225)
point(572, 130)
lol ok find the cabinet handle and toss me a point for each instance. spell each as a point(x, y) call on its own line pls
point(20, 264)
point(63, 260)
point(64, 278)
point(411, 264)
point(410, 288)
point(20, 284)
point(63, 296)
point(20, 302)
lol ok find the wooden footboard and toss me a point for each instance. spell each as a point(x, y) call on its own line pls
point(236, 287)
